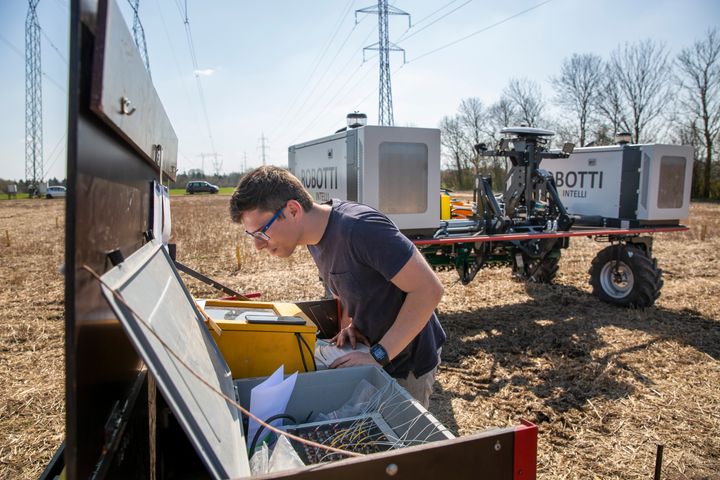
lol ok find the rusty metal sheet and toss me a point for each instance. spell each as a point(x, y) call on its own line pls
point(123, 94)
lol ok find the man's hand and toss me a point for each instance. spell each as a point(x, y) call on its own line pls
point(353, 359)
point(350, 334)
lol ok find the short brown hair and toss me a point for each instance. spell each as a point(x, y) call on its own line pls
point(267, 188)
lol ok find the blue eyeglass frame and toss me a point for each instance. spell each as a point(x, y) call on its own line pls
point(260, 234)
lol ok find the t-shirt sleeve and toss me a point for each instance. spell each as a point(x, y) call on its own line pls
point(378, 243)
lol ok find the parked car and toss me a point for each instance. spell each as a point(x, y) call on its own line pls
point(200, 186)
point(55, 192)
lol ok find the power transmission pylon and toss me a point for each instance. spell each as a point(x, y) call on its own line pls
point(33, 100)
point(384, 46)
point(217, 164)
point(139, 34)
point(263, 146)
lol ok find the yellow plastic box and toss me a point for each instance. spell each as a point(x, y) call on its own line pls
point(258, 337)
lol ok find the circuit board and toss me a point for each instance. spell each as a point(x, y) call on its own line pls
point(366, 434)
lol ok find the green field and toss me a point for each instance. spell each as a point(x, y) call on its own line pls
point(174, 192)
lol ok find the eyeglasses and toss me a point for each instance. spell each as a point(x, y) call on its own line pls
point(260, 233)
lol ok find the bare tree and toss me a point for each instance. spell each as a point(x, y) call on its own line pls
point(699, 80)
point(578, 86)
point(641, 72)
point(455, 144)
point(610, 106)
point(527, 99)
point(501, 114)
point(472, 117)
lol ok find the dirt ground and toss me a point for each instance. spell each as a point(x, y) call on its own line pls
point(605, 385)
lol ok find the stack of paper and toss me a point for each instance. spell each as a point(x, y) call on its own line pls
point(326, 353)
point(268, 399)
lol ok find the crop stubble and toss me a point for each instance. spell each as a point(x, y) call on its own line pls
point(604, 385)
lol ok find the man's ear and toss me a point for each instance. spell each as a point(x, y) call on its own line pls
point(294, 209)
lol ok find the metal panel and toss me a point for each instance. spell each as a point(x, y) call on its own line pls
point(106, 209)
point(353, 165)
point(403, 177)
point(124, 96)
point(487, 456)
point(371, 139)
point(171, 325)
point(630, 182)
point(320, 166)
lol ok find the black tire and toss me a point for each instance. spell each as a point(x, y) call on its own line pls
point(624, 275)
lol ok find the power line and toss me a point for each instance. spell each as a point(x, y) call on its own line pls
point(52, 154)
point(433, 13)
point(196, 69)
point(330, 84)
point(347, 91)
point(172, 51)
point(317, 62)
point(53, 46)
point(403, 37)
point(485, 29)
point(22, 55)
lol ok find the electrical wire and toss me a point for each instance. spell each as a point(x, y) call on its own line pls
point(299, 338)
point(196, 70)
point(317, 63)
point(328, 86)
point(347, 92)
point(46, 168)
point(433, 13)
point(300, 350)
point(404, 37)
point(267, 421)
point(22, 55)
point(484, 29)
point(57, 50)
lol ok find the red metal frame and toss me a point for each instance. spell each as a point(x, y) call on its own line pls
point(525, 451)
point(530, 236)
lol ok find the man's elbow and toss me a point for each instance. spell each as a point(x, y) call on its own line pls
point(436, 291)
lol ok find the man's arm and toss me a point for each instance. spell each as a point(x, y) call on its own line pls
point(424, 292)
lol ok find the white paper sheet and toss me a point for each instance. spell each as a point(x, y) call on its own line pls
point(167, 224)
point(161, 223)
point(269, 398)
point(326, 353)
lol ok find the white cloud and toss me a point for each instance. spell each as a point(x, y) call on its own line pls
point(205, 72)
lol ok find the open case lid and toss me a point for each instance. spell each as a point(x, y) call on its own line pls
point(150, 285)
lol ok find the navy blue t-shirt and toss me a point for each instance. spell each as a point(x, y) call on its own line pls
point(359, 253)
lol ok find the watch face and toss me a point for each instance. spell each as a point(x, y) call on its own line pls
point(379, 354)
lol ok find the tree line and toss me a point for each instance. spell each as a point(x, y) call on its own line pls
point(641, 89)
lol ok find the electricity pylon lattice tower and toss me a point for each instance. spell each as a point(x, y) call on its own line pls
point(384, 46)
point(139, 34)
point(33, 100)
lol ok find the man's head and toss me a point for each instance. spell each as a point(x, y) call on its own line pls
point(269, 201)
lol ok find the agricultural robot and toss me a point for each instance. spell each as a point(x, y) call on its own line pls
point(616, 194)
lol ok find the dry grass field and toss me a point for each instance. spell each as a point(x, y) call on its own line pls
point(604, 385)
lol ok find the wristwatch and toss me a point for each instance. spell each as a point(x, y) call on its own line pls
point(380, 355)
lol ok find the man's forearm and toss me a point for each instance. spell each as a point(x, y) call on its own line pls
point(414, 315)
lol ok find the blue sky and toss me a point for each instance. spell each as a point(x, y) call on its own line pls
point(292, 69)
